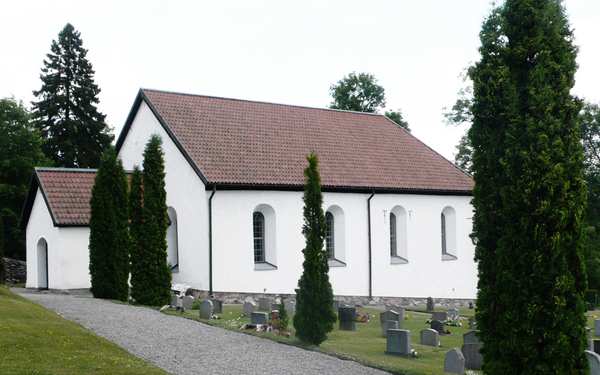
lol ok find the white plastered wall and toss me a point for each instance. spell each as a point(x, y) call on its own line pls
point(185, 194)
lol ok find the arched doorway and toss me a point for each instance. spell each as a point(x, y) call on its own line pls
point(42, 264)
point(172, 241)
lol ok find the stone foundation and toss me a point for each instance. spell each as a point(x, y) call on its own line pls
point(406, 302)
point(16, 271)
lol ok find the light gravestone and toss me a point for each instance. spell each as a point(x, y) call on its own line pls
point(249, 307)
point(174, 300)
point(438, 326)
point(217, 306)
point(430, 337)
point(259, 318)
point(387, 325)
point(206, 309)
point(442, 316)
point(453, 314)
point(471, 338)
point(264, 304)
point(346, 316)
point(290, 306)
point(593, 362)
point(387, 316)
point(454, 362)
point(187, 302)
point(597, 327)
point(398, 309)
point(398, 342)
point(471, 350)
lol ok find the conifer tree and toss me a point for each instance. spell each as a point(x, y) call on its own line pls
point(66, 113)
point(314, 316)
point(109, 233)
point(529, 195)
point(138, 257)
point(154, 224)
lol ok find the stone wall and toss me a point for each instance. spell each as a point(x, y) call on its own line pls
point(406, 302)
point(16, 271)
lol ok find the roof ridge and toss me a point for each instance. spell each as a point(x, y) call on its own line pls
point(65, 169)
point(262, 102)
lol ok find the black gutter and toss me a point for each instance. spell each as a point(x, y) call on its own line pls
point(210, 278)
point(369, 234)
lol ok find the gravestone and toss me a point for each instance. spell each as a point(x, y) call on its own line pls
point(453, 314)
point(473, 358)
point(398, 309)
point(346, 317)
point(438, 326)
point(596, 346)
point(259, 318)
point(206, 309)
point(174, 300)
point(217, 306)
point(187, 302)
point(274, 306)
point(454, 362)
point(593, 362)
point(290, 306)
point(472, 323)
point(398, 342)
point(430, 304)
point(430, 337)
point(442, 316)
point(387, 325)
point(249, 307)
point(471, 307)
point(471, 338)
point(597, 327)
point(389, 315)
point(264, 304)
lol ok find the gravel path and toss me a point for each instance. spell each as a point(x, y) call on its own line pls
point(183, 346)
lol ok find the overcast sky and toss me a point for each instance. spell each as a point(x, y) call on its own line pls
point(278, 51)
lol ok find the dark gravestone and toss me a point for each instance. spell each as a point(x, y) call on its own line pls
point(470, 305)
point(438, 326)
point(398, 342)
point(217, 306)
point(596, 346)
point(442, 316)
point(454, 362)
point(430, 304)
point(473, 357)
point(259, 318)
point(347, 318)
point(597, 327)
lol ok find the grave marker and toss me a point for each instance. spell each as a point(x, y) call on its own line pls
point(430, 337)
point(346, 317)
point(206, 309)
point(398, 342)
point(454, 362)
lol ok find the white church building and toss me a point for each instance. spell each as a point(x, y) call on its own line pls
point(399, 214)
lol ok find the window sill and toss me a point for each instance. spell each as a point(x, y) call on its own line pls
point(398, 260)
point(264, 266)
point(332, 262)
point(447, 256)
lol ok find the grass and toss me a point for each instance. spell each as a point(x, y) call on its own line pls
point(365, 345)
point(35, 341)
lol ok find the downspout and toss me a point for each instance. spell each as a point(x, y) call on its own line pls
point(369, 235)
point(210, 277)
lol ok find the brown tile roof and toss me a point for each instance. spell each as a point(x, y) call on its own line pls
point(67, 193)
point(240, 142)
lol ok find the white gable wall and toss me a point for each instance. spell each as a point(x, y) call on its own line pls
point(425, 274)
point(185, 193)
point(40, 226)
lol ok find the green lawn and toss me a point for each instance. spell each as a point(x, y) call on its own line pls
point(365, 345)
point(34, 340)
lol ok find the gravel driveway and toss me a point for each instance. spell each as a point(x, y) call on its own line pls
point(183, 346)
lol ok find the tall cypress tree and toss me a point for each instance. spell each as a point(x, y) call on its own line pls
point(139, 257)
point(314, 316)
point(109, 233)
point(74, 131)
point(529, 195)
point(154, 224)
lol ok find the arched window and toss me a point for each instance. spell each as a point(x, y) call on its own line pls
point(448, 234)
point(329, 235)
point(172, 241)
point(393, 243)
point(259, 237)
point(398, 235)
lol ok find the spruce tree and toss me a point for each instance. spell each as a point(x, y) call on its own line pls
point(155, 222)
point(109, 234)
point(138, 257)
point(529, 194)
point(66, 113)
point(314, 316)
